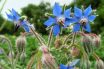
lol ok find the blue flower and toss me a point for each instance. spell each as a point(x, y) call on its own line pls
point(13, 16)
point(83, 18)
point(71, 66)
point(60, 19)
point(19, 21)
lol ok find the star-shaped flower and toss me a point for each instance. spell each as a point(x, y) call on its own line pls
point(83, 18)
point(13, 16)
point(71, 66)
point(61, 19)
point(19, 21)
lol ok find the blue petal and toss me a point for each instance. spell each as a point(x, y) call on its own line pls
point(10, 16)
point(67, 13)
point(15, 14)
point(57, 10)
point(50, 21)
point(87, 27)
point(76, 27)
point(70, 67)
point(74, 62)
point(56, 30)
point(25, 26)
point(67, 23)
point(87, 11)
point(77, 12)
point(91, 18)
point(63, 66)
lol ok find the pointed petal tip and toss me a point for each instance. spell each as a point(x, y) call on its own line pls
point(57, 10)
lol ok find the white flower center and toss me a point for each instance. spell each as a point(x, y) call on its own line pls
point(60, 20)
point(83, 21)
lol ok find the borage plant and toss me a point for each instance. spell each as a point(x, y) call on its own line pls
point(72, 51)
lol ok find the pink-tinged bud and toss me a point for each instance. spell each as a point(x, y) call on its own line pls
point(87, 43)
point(47, 58)
point(99, 64)
point(11, 55)
point(21, 43)
point(75, 51)
point(58, 43)
point(90, 41)
point(96, 40)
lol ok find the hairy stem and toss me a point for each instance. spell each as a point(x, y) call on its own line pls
point(37, 36)
point(50, 37)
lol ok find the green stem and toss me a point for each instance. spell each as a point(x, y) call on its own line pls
point(67, 38)
point(50, 37)
point(73, 40)
point(37, 36)
point(2, 26)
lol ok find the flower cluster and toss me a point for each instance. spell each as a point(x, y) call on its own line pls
point(63, 19)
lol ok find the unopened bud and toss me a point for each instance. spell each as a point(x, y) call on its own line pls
point(87, 43)
point(75, 51)
point(11, 55)
point(47, 59)
point(99, 64)
point(96, 40)
point(1, 51)
point(21, 43)
point(58, 43)
point(23, 57)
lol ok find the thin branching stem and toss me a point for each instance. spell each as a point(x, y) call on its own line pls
point(30, 63)
point(67, 38)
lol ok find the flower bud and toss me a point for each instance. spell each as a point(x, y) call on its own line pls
point(21, 43)
point(96, 40)
point(87, 43)
point(58, 43)
point(99, 64)
point(74, 51)
point(23, 57)
point(11, 55)
point(47, 58)
point(1, 51)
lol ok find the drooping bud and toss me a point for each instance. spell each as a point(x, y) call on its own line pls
point(75, 51)
point(1, 51)
point(96, 40)
point(58, 43)
point(11, 55)
point(21, 43)
point(99, 64)
point(87, 43)
point(47, 58)
point(23, 57)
